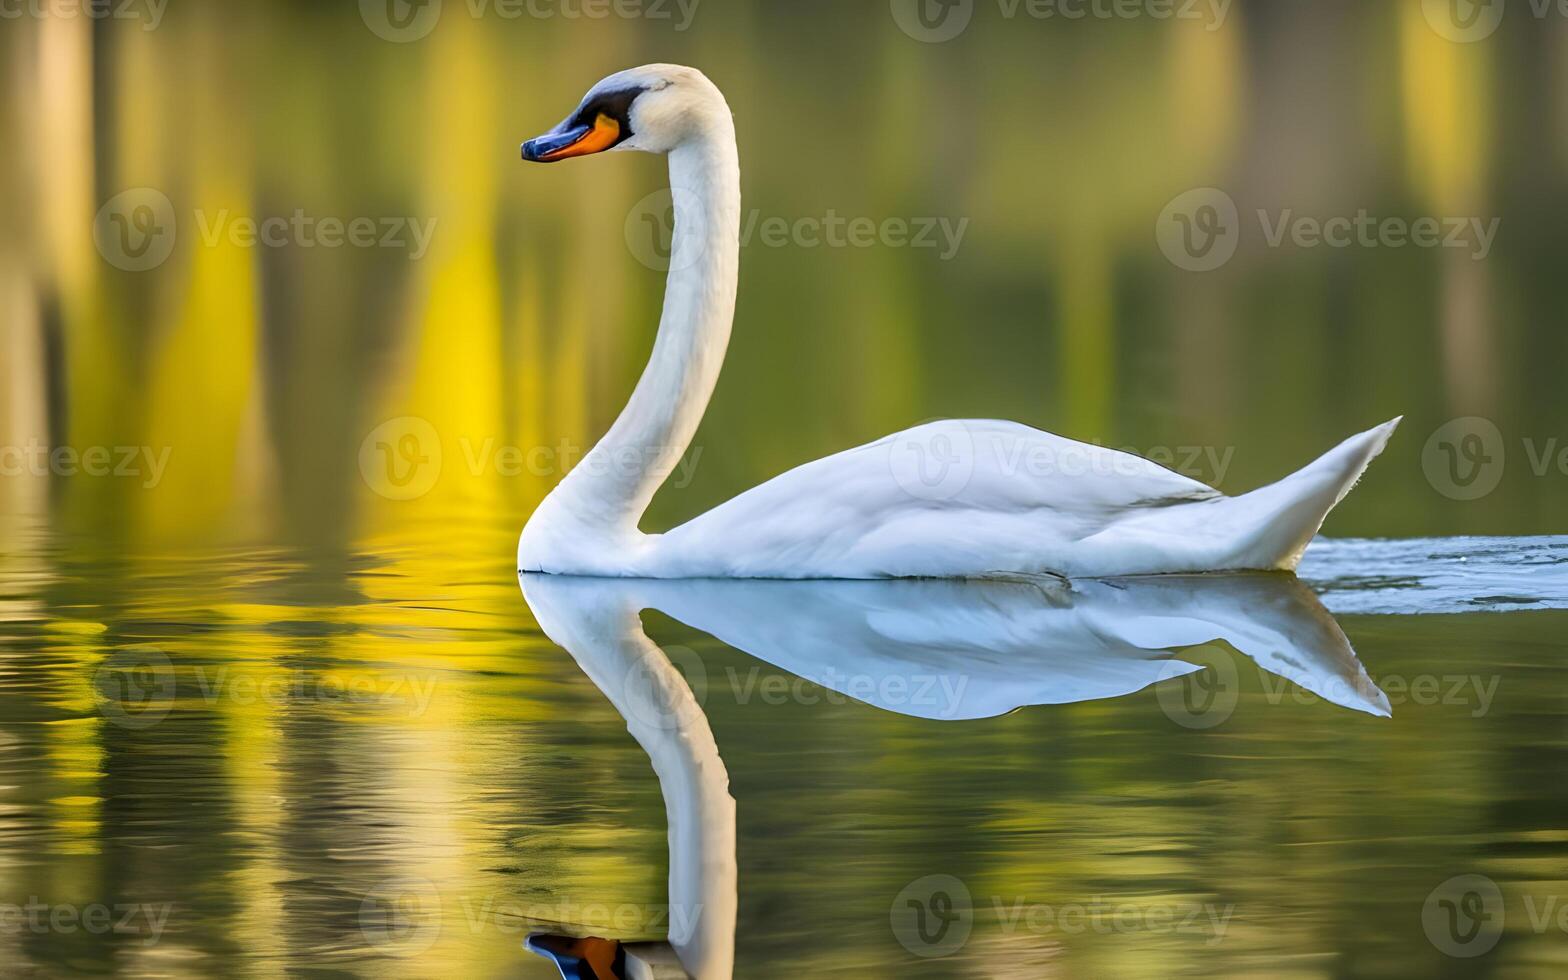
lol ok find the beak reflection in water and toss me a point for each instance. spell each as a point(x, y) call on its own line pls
point(589, 958)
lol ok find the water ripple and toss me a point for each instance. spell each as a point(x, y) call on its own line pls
point(1416, 576)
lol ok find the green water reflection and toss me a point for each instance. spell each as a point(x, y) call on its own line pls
point(367, 767)
point(363, 715)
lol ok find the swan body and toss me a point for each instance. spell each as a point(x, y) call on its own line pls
point(956, 498)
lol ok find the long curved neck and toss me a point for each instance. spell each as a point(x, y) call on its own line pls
point(613, 485)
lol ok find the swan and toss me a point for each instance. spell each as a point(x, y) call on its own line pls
point(949, 499)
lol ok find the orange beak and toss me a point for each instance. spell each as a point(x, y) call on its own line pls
point(565, 141)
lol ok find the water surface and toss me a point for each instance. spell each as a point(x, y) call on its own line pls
point(271, 762)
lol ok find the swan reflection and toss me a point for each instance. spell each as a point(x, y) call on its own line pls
point(942, 650)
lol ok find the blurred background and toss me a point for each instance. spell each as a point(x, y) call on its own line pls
point(285, 461)
point(508, 308)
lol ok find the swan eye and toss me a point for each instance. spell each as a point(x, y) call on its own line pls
point(617, 105)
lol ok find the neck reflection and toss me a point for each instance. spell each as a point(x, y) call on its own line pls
point(940, 650)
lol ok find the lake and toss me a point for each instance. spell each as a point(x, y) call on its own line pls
point(377, 763)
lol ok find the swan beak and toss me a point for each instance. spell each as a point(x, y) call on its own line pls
point(580, 959)
point(567, 140)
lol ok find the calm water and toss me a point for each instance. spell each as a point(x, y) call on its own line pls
point(360, 752)
point(372, 763)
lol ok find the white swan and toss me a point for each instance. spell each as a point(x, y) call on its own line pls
point(947, 499)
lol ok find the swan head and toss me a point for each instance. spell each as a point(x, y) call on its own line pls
point(655, 108)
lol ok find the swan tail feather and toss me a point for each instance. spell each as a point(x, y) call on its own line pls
point(1284, 517)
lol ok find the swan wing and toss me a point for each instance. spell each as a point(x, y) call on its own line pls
point(949, 497)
